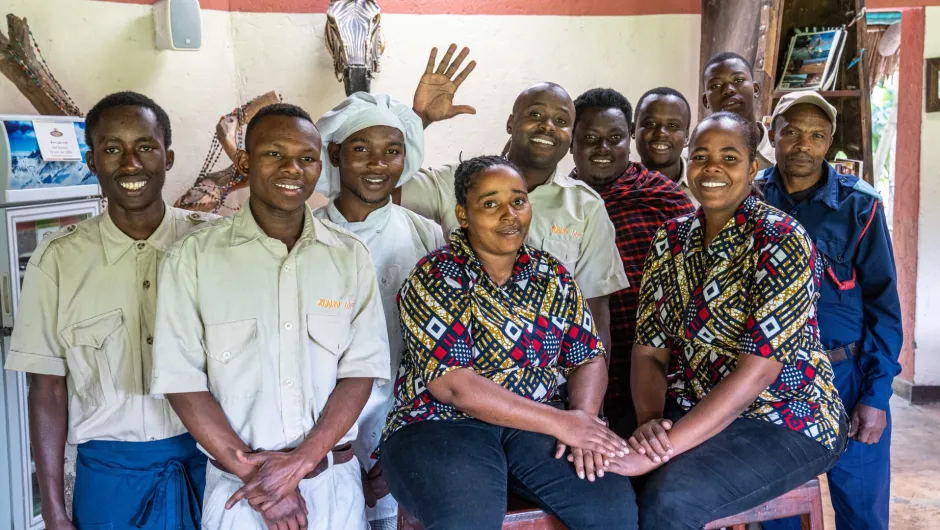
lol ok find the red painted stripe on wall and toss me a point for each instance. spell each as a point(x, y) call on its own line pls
point(467, 7)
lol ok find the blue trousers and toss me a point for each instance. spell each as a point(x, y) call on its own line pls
point(860, 482)
point(456, 475)
point(139, 485)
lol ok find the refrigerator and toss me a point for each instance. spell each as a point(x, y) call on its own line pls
point(44, 186)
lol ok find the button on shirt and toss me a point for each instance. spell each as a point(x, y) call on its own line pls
point(568, 221)
point(868, 313)
point(268, 332)
point(522, 335)
point(752, 291)
point(87, 313)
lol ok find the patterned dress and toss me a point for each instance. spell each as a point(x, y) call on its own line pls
point(752, 291)
point(524, 336)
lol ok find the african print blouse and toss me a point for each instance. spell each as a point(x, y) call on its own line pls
point(523, 336)
point(752, 291)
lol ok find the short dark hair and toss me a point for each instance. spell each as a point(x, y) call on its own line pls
point(747, 128)
point(603, 98)
point(127, 99)
point(276, 109)
point(725, 56)
point(463, 178)
point(664, 91)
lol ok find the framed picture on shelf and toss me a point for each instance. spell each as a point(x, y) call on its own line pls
point(847, 166)
point(811, 60)
point(933, 80)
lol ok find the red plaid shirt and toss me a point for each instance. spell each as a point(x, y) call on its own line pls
point(638, 203)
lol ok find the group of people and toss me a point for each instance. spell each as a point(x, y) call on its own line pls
point(653, 344)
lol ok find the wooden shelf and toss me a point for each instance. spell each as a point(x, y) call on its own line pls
point(827, 93)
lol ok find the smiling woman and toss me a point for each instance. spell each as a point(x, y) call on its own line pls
point(490, 325)
point(753, 379)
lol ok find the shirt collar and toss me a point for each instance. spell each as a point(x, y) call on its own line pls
point(828, 194)
point(116, 242)
point(729, 240)
point(683, 173)
point(522, 270)
point(374, 221)
point(245, 229)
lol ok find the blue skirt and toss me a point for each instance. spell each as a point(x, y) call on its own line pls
point(139, 485)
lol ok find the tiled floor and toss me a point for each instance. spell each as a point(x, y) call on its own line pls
point(915, 468)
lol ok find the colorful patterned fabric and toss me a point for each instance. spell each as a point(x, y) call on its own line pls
point(523, 336)
point(638, 203)
point(752, 291)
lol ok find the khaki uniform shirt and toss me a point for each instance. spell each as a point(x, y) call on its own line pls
point(86, 312)
point(569, 221)
point(268, 332)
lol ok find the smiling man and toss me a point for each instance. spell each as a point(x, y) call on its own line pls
point(568, 217)
point(84, 331)
point(371, 145)
point(638, 201)
point(859, 309)
point(270, 376)
point(729, 86)
point(661, 132)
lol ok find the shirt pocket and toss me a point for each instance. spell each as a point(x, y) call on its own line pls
point(837, 260)
point(234, 360)
point(100, 359)
point(329, 338)
point(565, 251)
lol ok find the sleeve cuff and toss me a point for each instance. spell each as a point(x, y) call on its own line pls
point(610, 286)
point(35, 364)
point(178, 384)
point(878, 401)
point(381, 374)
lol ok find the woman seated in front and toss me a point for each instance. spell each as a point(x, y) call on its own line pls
point(490, 326)
point(748, 410)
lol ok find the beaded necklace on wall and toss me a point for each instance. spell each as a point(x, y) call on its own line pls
point(65, 103)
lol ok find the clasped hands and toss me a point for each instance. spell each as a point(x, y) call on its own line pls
point(595, 449)
point(273, 490)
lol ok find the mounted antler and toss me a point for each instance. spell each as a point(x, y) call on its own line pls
point(22, 62)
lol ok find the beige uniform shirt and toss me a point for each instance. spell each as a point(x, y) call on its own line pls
point(569, 221)
point(86, 312)
point(268, 332)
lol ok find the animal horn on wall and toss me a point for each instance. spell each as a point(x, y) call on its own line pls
point(354, 39)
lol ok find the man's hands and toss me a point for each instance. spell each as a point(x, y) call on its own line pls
point(650, 439)
point(434, 97)
point(288, 514)
point(586, 463)
point(373, 485)
point(868, 424)
point(279, 475)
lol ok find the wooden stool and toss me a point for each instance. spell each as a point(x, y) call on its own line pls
point(520, 515)
point(805, 501)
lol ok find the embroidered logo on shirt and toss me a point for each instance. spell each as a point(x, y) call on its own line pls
point(335, 304)
point(560, 230)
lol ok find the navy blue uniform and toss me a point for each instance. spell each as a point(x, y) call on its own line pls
point(858, 309)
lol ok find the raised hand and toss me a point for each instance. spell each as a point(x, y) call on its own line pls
point(434, 97)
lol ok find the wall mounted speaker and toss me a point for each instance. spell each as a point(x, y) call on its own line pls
point(177, 24)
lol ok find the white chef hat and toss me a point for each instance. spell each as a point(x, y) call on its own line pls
point(362, 110)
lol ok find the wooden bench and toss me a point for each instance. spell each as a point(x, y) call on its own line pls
point(805, 501)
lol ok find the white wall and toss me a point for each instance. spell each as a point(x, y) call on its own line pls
point(95, 48)
point(927, 330)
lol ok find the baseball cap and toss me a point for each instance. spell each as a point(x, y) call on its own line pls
point(805, 96)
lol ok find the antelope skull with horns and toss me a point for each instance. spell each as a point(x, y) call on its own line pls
point(354, 38)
